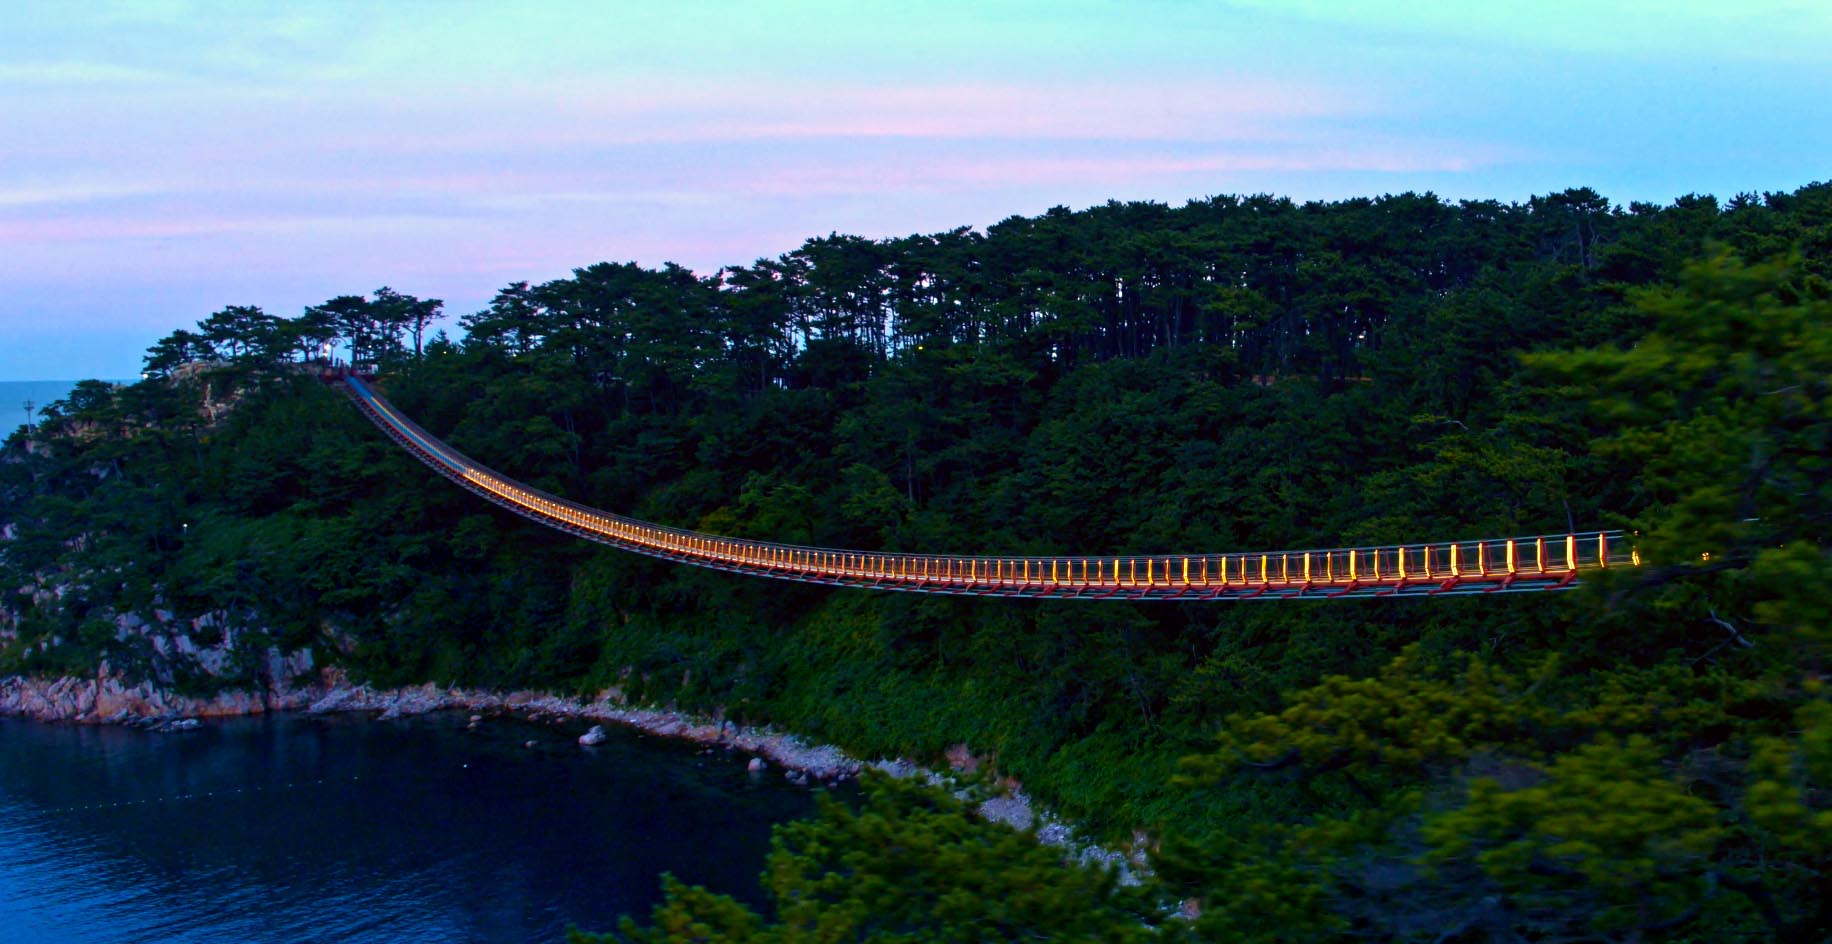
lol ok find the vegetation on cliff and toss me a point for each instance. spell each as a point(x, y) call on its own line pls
point(1644, 759)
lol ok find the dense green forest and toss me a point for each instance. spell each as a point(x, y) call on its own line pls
point(1646, 758)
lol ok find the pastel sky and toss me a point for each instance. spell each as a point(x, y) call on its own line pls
point(162, 159)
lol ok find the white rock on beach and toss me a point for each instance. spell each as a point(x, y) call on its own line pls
point(594, 737)
point(1012, 811)
point(756, 765)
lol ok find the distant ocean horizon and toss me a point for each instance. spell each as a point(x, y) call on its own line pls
point(41, 393)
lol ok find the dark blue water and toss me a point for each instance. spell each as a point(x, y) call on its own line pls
point(301, 829)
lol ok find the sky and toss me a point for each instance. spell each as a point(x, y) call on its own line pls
point(160, 160)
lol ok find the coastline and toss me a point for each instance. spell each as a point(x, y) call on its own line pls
point(109, 700)
point(106, 699)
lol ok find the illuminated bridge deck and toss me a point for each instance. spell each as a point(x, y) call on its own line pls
point(1487, 565)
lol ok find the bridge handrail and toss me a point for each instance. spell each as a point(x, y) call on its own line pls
point(1541, 561)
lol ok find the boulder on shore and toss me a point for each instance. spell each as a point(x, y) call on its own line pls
point(756, 765)
point(594, 737)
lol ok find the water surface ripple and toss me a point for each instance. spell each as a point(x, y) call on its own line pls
point(302, 829)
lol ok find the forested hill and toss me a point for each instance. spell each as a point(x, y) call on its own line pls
point(1645, 759)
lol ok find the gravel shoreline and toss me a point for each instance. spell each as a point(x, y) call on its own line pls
point(107, 700)
point(816, 761)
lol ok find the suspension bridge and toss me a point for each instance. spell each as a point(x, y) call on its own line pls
point(1489, 565)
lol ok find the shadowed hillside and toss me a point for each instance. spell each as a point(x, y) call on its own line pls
point(1646, 759)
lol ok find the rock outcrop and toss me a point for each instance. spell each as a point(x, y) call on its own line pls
point(108, 699)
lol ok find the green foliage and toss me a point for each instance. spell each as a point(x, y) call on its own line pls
point(1658, 783)
point(910, 865)
point(1399, 721)
point(687, 913)
point(1235, 373)
point(1608, 838)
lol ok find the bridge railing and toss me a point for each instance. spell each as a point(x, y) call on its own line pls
point(1533, 562)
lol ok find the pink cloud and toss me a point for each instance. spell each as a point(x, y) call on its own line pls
point(1246, 108)
point(1108, 110)
point(1044, 169)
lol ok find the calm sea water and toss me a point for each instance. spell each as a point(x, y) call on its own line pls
point(299, 829)
point(14, 394)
